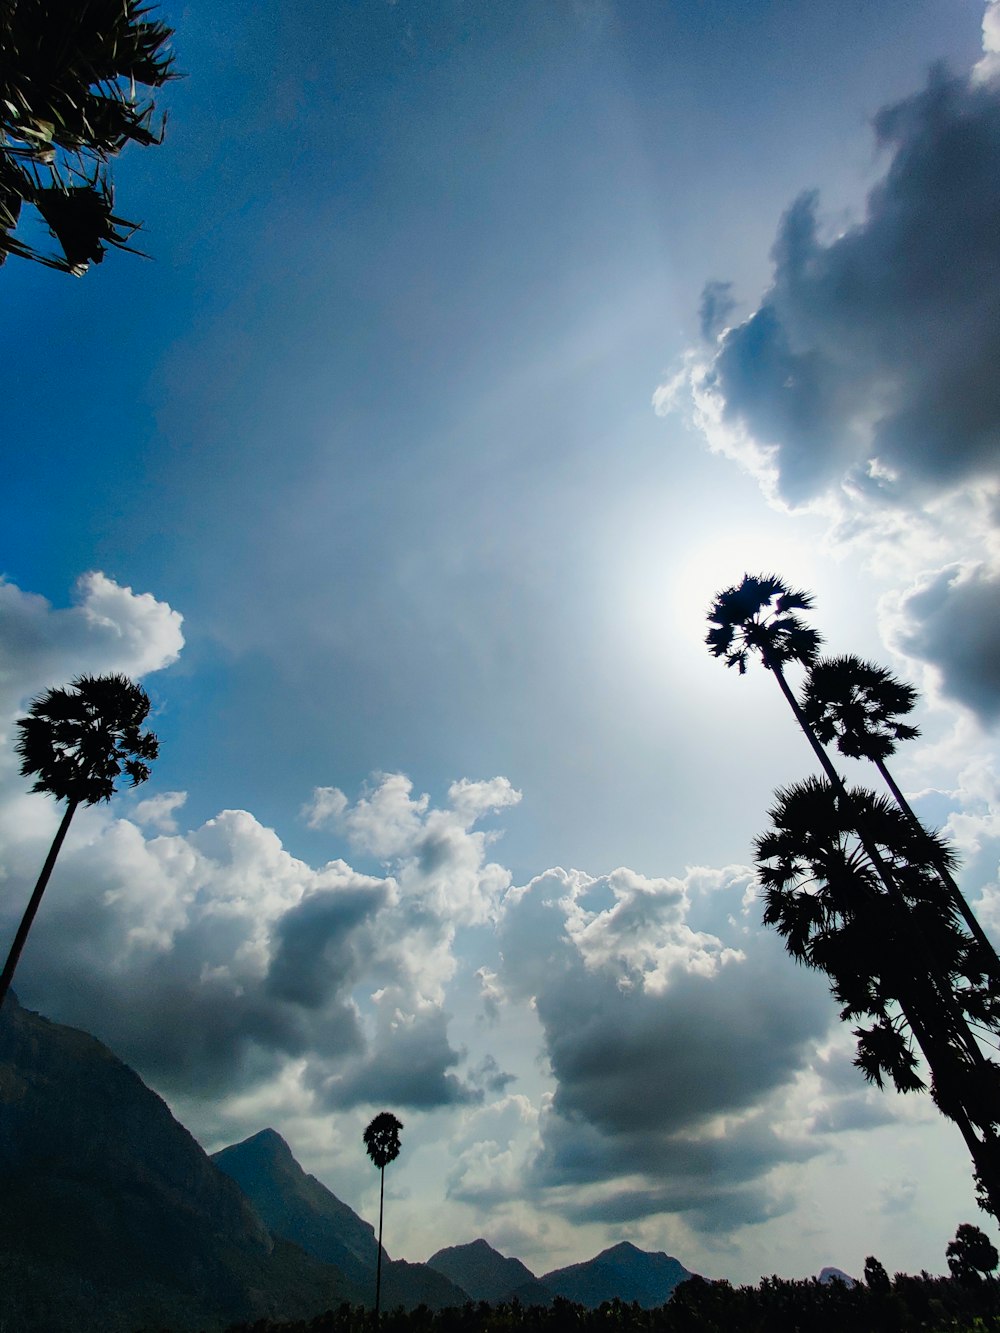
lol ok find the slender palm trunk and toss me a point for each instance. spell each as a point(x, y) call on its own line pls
point(36, 898)
point(992, 960)
point(945, 1063)
point(378, 1267)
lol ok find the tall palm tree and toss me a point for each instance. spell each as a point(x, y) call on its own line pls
point(69, 70)
point(78, 742)
point(826, 900)
point(760, 616)
point(859, 704)
point(382, 1143)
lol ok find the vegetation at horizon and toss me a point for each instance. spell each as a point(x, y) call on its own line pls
point(966, 1302)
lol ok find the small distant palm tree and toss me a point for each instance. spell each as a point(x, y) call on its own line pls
point(79, 741)
point(382, 1143)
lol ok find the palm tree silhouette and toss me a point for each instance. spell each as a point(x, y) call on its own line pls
point(760, 616)
point(826, 900)
point(859, 705)
point(79, 741)
point(67, 105)
point(382, 1143)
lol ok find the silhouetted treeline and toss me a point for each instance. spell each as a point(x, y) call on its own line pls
point(775, 1305)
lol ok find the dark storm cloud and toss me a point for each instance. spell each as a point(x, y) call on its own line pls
point(408, 1065)
point(166, 1013)
point(684, 1163)
point(884, 342)
point(705, 1209)
point(952, 620)
point(630, 1061)
point(317, 947)
point(646, 1063)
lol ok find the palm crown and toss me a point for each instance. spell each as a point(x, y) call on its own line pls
point(382, 1139)
point(79, 741)
point(859, 705)
point(758, 615)
point(825, 900)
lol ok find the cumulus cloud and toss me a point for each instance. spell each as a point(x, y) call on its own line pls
point(864, 384)
point(158, 811)
point(870, 361)
point(668, 1047)
point(109, 628)
point(212, 959)
point(222, 966)
point(950, 618)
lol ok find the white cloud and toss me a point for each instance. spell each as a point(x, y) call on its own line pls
point(158, 811)
point(988, 68)
point(324, 808)
point(109, 629)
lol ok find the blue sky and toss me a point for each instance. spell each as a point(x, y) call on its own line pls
point(412, 418)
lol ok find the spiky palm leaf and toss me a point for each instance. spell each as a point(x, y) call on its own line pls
point(69, 70)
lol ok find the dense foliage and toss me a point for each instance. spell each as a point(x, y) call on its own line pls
point(775, 1305)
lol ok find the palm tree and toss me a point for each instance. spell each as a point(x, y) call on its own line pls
point(68, 104)
point(382, 1143)
point(829, 904)
point(859, 705)
point(760, 616)
point(79, 741)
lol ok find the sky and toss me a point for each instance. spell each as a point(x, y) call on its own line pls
point(478, 347)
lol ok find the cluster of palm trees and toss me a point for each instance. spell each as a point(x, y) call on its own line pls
point(69, 70)
point(859, 889)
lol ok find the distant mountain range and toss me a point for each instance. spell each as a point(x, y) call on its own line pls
point(114, 1217)
point(623, 1271)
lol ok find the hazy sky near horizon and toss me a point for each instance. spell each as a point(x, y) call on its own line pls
point(481, 344)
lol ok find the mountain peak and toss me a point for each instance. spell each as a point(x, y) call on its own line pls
point(268, 1140)
point(624, 1249)
point(486, 1275)
point(623, 1270)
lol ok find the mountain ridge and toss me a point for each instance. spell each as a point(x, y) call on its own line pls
point(301, 1209)
point(113, 1214)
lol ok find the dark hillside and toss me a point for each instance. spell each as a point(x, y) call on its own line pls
point(113, 1216)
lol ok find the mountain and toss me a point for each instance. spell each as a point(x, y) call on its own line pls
point(623, 1271)
point(828, 1275)
point(112, 1215)
point(297, 1207)
point(487, 1276)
